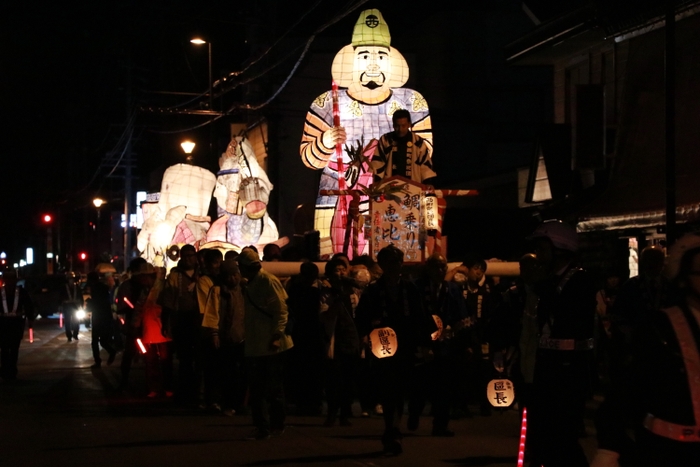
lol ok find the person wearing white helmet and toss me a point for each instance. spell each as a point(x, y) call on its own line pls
point(659, 394)
point(565, 315)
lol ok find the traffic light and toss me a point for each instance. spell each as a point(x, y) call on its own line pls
point(82, 255)
point(47, 218)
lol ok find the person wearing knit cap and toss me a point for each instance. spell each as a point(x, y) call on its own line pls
point(265, 319)
point(370, 74)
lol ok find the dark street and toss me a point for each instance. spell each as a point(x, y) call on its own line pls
point(61, 412)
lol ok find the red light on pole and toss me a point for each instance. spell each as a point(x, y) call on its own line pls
point(47, 218)
point(82, 256)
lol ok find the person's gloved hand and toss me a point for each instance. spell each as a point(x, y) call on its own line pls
point(335, 135)
point(605, 458)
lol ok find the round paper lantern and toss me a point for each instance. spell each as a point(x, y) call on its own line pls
point(173, 252)
point(500, 392)
point(383, 342)
point(438, 322)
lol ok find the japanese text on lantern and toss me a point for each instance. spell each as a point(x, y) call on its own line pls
point(398, 222)
point(431, 217)
point(500, 392)
point(384, 342)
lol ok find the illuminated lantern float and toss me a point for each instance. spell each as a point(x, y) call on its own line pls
point(242, 193)
point(370, 75)
point(179, 216)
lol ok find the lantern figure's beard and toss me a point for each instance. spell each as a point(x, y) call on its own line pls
point(372, 84)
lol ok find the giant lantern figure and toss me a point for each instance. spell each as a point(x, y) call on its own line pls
point(242, 192)
point(180, 215)
point(369, 74)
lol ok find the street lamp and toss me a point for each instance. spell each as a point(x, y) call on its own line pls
point(188, 147)
point(200, 41)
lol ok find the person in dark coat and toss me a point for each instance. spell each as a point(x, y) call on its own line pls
point(435, 378)
point(394, 302)
point(563, 368)
point(657, 397)
point(306, 357)
point(16, 308)
point(342, 344)
point(99, 304)
point(181, 321)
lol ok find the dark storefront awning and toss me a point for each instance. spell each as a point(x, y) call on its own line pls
point(636, 193)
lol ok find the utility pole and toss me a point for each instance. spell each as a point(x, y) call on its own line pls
point(127, 162)
point(670, 82)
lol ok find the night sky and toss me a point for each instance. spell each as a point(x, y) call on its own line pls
point(65, 81)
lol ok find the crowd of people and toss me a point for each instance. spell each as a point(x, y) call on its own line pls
point(221, 334)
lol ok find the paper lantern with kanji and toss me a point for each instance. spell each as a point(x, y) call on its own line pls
point(383, 342)
point(500, 392)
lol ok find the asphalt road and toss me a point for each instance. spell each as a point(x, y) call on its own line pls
point(62, 412)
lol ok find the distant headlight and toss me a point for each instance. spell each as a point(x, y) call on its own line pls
point(80, 313)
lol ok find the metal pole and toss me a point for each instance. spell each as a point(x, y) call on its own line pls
point(49, 249)
point(127, 168)
point(670, 82)
point(211, 83)
point(211, 105)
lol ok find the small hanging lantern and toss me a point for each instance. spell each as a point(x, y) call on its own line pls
point(500, 392)
point(254, 197)
point(430, 212)
point(438, 322)
point(383, 342)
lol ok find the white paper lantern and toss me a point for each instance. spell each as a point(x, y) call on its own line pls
point(500, 392)
point(383, 342)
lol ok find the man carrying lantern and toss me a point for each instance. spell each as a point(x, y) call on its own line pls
point(392, 306)
point(369, 73)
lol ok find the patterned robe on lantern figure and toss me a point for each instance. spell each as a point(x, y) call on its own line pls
point(370, 73)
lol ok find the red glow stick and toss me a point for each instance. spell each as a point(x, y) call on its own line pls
point(523, 431)
point(121, 320)
point(128, 302)
point(31, 335)
point(141, 346)
point(60, 320)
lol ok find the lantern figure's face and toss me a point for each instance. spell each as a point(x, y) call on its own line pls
point(371, 68)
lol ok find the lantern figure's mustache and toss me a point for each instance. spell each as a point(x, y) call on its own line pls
point(372, 84)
